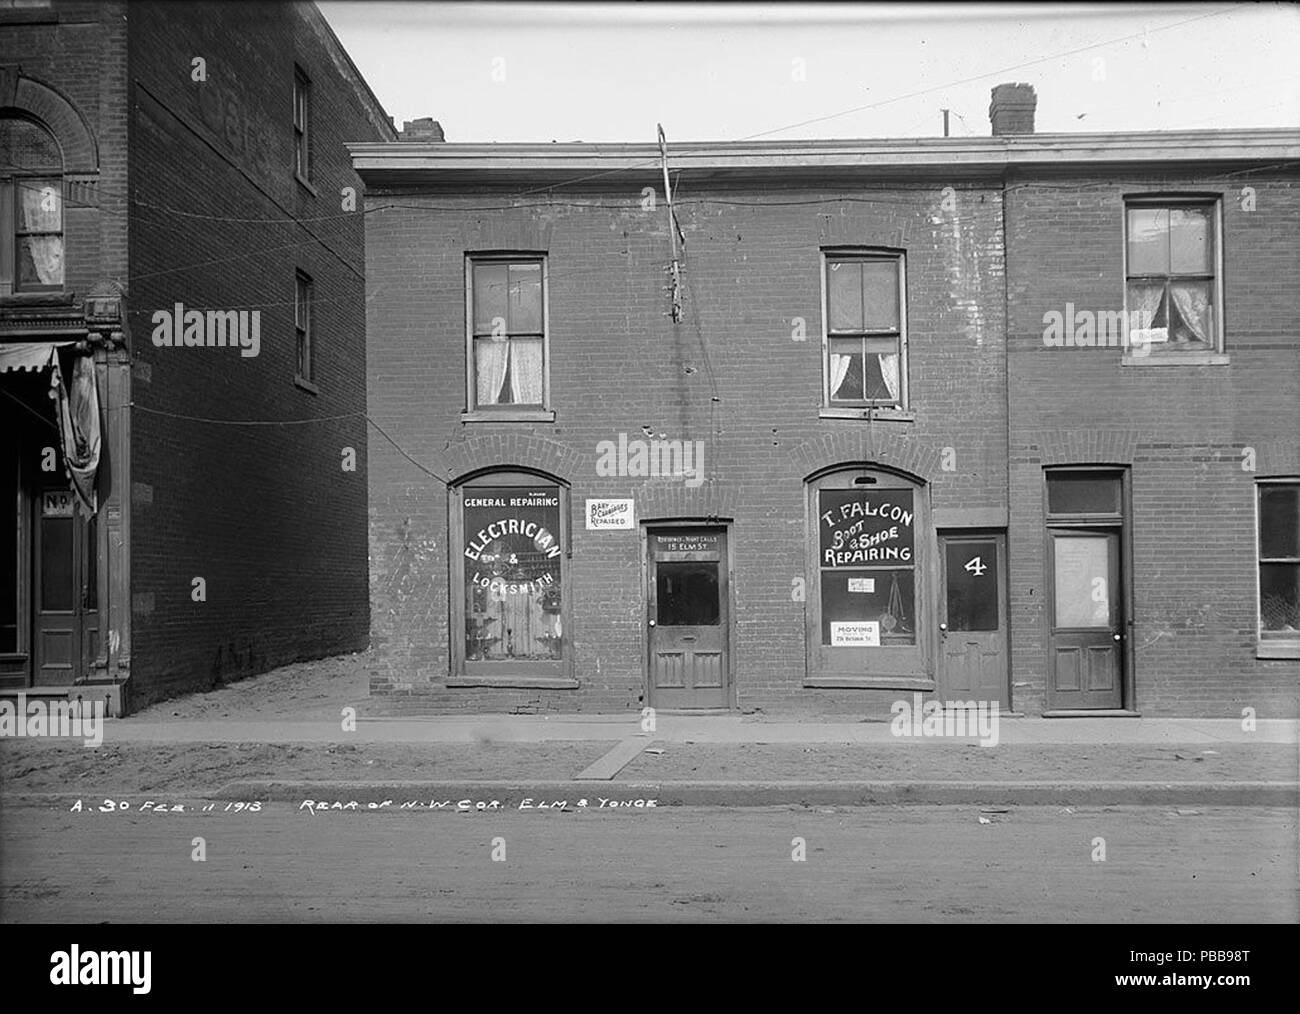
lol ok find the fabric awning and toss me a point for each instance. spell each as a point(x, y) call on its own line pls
point(29, 355)
point(76, 411)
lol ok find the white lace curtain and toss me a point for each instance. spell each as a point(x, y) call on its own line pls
point(40, 210)
point(888, 371)
point(522, 357)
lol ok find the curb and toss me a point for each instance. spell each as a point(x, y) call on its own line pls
point(510, 794)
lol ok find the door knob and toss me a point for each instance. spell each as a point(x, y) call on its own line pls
point(943, 626)
point(652, 623)
point(1116, 636)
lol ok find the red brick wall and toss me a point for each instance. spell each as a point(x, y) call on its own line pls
point(265, 514)
point(1182, 431)
point(619, 364)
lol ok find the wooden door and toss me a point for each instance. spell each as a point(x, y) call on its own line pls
point(688, 618)
point(1086, 665)
point(973, 624)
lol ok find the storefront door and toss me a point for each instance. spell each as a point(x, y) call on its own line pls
point(973, 626)
point(688, 618)
point(1087, 636)
point(63, 590)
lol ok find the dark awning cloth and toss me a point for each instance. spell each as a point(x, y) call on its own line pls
point(76, 412)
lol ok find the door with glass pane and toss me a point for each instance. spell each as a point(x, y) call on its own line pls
point(688, 617)
point(973, 627)
point(1087, 635)
point(59, 571)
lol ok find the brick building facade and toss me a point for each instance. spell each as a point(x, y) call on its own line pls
point(862, 460)
point(193, 229)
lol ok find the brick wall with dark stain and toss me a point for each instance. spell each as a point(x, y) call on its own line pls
point(1181, 430)
point(729, 375)
point(265, 514)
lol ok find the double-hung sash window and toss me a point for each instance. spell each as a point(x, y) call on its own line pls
point(866, 342)
point(301, 125)
point(1172, 286)
point(302, 326)
point(507, 339)
point(31, 208)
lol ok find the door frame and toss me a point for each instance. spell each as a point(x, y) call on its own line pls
point(727, 603)
point(1120, 524)
point(999, 535)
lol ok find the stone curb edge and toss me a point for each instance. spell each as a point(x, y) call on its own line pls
point(1285, 794)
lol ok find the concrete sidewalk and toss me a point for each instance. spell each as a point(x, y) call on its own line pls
point(684, 729)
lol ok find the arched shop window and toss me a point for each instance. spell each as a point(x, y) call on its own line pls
point(31, 208)
point(510, 602)
point(869, 589)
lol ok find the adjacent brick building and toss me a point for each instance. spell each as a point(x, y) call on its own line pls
point(179, 211)
point(813, 438)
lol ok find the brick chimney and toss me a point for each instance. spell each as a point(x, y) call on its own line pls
point(424, 129)
point(1012, 109)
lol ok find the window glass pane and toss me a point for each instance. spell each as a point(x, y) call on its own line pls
point(1082, 582)
point(25, 146)
point(971, 571)
point(687, 594)
point(882, 377)
point(92, 563)
point(1082, 493)
point(524, 386)
point(880, 295)
point(1189, 241)
point(490, 290)
point(868, 608)
point(512, 573)
point(846, 369)
point(844, 295)
point(491, 363)
point(40, 260)
point(1279, 521)
point(859, 528)
point(1191, 314)
point(56, 564)
point(1279, 598)
point(1148, 312)
point(525, 299)
point(1148, 241)
point(40, 205)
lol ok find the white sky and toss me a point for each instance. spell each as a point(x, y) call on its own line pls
point(597, 72)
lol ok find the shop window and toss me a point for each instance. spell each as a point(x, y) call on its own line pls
point(31, 208)
point(865, 361)
point(510, 602)
point(1173, 298)
point(507, 366)
point(1279, 565)
point(868, 594)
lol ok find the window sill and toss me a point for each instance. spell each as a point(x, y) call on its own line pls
point(302, 180)
point(831, 681)
point(510, 415)
point(306, 385)
point(509, 682)
point(876, 415)
point(47, 297)
point(1175, 359)
point(1277, 649)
